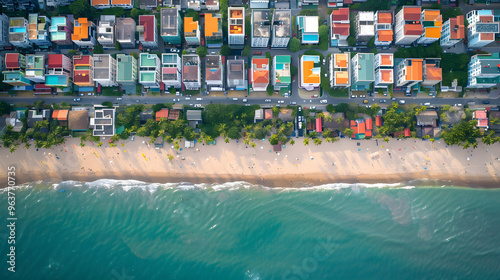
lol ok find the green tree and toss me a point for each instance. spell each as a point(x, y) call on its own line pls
point(270, 89)
point(170, 157)
point(306, 141)
point(292, 142)
point(107, 104)
point(99, 144)
point(294, 70)
point(5, 108)
point(72, 53)
point(192, 13)
point(351, 41)
point(80, 8)
point(224, 50)
point(323, 37)
point(317, 141)
point(246, 51)
point(463, 134)
point(226, 140)
point(234, 133)
point(134, 55)
point(118, 47)
point(490, 139)
point(330, 108)
point(184, 52)
point(274, 139)
point(39, 104)
point(370, 42)
point(201, 51)
point(294, 45)
point(98, 49)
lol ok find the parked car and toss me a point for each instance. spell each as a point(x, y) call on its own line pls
point(199, 99)
point(353, 96)
point(394, 99)
point(486, 102)
point(324, 101)
point(365, 101)
point(245, 100)
point(362, 96)
point(281, 101)
point(197, 105)
point(187, 98)
point(235, 99)
point(383, 101)
point(293, 103)
point(76, 99)
point(312, 107)
point(267, 100)
point(402, 102)
point(119, 99)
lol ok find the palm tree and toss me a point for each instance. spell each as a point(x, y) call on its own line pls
point(226, 140)
point(176, 145)
point(99, 144)
point(292, 142)
point(246, 140)
point(82, 144)
point(252, 145)
point(306, 141)
point(317, 141)
point(170, 157)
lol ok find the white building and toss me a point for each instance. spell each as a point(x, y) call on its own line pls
point(408, 26)
point(212, 5)
point(149, 70)
point(106, 31)
point(310, 72)
point(38, 29)
point(384, 70)
point(103, 121)
point(484, 71)
point(35, 68)
point(409, 72)
point(482, 28)
point(383, 28)
point(171, 70)
point(365, 27)
point(194, 5)
point(259, 4)
point(191, 72)
point(236, 27)
point(308, 27)
point(214, 73)
point(453, 31)
point(125, 32)
point(340, 70)
point(261, 28)
point(105, 70)
point(339, 27)
point(281, 28)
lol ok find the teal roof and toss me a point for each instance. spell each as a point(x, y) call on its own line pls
point(366, 72)
point(283, 59)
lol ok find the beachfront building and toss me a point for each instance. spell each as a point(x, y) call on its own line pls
point(384, 70)
point(84, 33)
point(482, 28)
point(236, 27)
point(83, 75)
point(214, 72)
point(260, 73)
point(125, 32)
point(148, 35)
point(310, 72)
point(38, 29)
point(432, 22)
point(482, 120)
point(38, 115)
point(383, 28)
point(191, 71)
point(409, 72)
point(362, 71)
point(4, 30)
point(126, 69)
point(408, 26)
point(191, 31)
point(18, 32)
point(484, 71)
point(14, 70)
point(259, 4)
point(61, 116)
point(171, 23)
point(261, 28)
point(171, 74)
point(308, 29)
point(340, 70)
point(106, 31)
point(78, 120)
point(236, 74)
point(453, 31)
point(282, 78)
point(365, 27)
point(339, 27)
point(104, 69)
point(213, 30)
point(427, 124)
point(281, 28)
point(35, 68)
point(103, 121)
point(149, 70)
point(212, 5)
point(432, 72)
point(60, 31)
point(59, 71)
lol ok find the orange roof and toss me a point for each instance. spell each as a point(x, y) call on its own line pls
point(413, 29)
point(268, 114)
point(341, 28)
point(433, 32)
point(260, 76)
point(361, 127)
point(121, 2)
point(342, 77)
point(487, 36)
point(412, 13)
point(341, 60)
point(385, 35)
point(384, 17)
point(162, 114)
point(236, 14)
point(432, 15)
point(99, 2)
point(378, 121)
point(414, 72)
point(369, 123)
point(60, 115)
point(260, 62)
point(190, 25)
point(82, 31)
point(486, 19)
point(236, 29)
point(307, 73)
point(386, 60)
point(211, 24)
point(386, 75)
point(433, 73)
point(457, 22)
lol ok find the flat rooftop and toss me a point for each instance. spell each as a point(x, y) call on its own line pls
point(261, 23)
point(101, 66)
point(282, 24)
point(169, 22)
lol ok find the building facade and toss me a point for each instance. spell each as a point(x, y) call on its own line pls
point(409, 72)
point(59, 71)
point(484, 71)
point(482, 28)
point(18, 32)
point(35, 68)
point(310, 72)
point(38, 29)
point(365, 27)
point(260, 73)
point(106, 31)
point(339, 27)
point(432, 22)
point(191, 72)
point(384, 70)
point(214, 72)
point(340, 70)
point(236, 27)
point(213, 30)
point(383, 29)
point(282, 78)
point(171, 23)
point(149, 70)
point(281, 28)
point(61, 30)
point(126, 69)
point(308, 28)
point(148, 35)
point(453, 31)
point(191, 31)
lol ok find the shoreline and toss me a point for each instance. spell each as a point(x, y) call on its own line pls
point(409, 161)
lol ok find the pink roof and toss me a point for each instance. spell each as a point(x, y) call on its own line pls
point(407, 132)
point(149, 29)
point(169, 70)
point(319, 127)
point(482, 123)
point(481, 115)
point(55, 60)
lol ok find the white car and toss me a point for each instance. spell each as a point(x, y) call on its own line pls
point(187, 98)
point(199, 99)
point(235, 99)
point(312, 107)
point(197, 105)
point(267, 100)
point(245, 100)
point(281, 101)
point(324, 101)
point(353, 96)
point(402, 101)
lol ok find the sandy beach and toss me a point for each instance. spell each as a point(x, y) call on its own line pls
point(295, 166)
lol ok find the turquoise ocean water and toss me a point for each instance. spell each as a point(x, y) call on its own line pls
point(129, 230)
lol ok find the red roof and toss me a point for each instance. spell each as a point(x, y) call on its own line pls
point(378, 121)
point(482, 123)
point(340, 14)
point(148, 22)
point(81, 59)
point(55, 60)
point(412, 13)
point(162, 114)
point(480, 114)
point(319, 127)
point(413, 29)
point(341, 29)
point(41, 86)
point(347, 1)
point(12, 60)
point(268, 114)
point(81, 76)
point(457, 28)
point(369, 124)
point(407, 132)
point(361, 127)
point(368, 133)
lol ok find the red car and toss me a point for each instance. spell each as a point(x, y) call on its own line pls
point(294, 79)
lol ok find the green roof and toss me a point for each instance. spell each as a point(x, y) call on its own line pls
point(124, 67)
point(148, 60)
point(283, 59)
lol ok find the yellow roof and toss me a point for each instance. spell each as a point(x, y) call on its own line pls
point(431, 15)
point(433, 32)
point(211, 25)
point(190, 25)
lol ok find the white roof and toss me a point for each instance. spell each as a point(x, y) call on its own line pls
point(311, 24)
point(370, 16)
